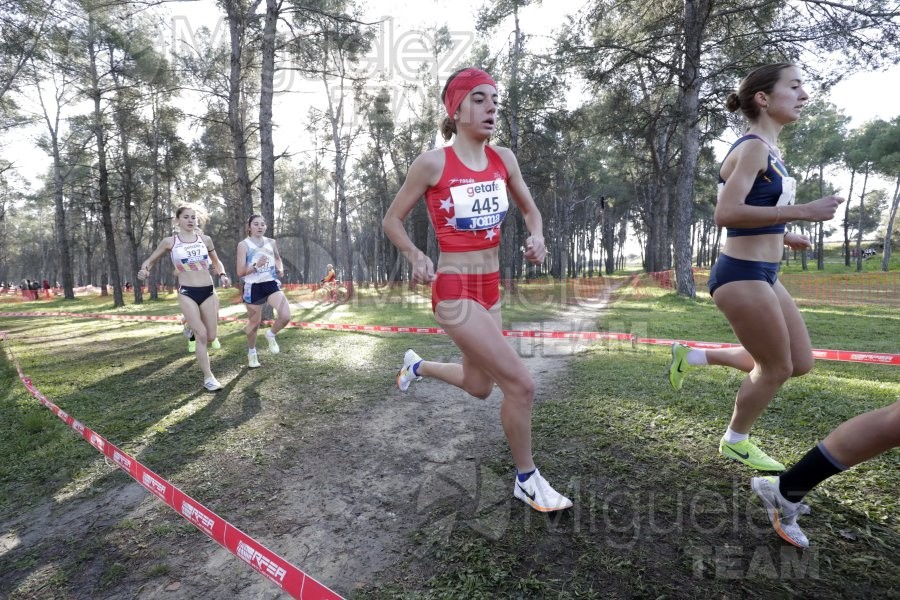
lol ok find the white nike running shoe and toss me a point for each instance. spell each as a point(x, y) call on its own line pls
point(273, 345)
point(405, 376)
point(537, 493)
point(782, 512)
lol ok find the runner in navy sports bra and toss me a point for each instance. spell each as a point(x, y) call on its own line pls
point(467, 188)
point(756, 199)
point(192, 254)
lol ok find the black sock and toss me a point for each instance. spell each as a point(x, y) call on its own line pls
point(193, 339)
point(814, 468)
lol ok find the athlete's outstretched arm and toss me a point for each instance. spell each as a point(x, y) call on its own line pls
point(424, 172)
point(164, 246)
point(279, 264)
point(218, 267)
point(241, 267)
point(749, 160)
point(534, 245)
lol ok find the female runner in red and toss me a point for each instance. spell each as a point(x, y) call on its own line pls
point(467, 187)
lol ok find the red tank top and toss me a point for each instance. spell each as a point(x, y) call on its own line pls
point(467, 207)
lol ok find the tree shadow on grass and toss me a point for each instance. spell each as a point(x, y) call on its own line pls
point(183, 452)
point(667, 513)
point(133, 381)
point(313, 313)
point(130, 408)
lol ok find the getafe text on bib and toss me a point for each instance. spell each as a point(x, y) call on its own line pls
point(481, 205)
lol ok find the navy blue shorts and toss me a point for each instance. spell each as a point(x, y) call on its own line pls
point(258, 293)
point(729, 269)
point(197, 294)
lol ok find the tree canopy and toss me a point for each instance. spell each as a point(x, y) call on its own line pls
point(131, 129)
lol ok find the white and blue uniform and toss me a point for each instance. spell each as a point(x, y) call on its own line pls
point(261, 282)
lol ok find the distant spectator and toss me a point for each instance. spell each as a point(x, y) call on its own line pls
point(46, 285)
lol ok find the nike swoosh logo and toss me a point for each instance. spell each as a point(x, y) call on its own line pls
point(679, 369)
point(743, 456)
point(531, 496)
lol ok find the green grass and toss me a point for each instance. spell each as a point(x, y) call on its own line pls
point(136, 385)
point(834, 263)
point(397, 305)
point(659, 313)
point(657, 512)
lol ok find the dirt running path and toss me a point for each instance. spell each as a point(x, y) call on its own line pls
point(344, 510)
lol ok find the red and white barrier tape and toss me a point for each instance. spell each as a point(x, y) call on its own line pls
point(879, 358)
point(273, 567)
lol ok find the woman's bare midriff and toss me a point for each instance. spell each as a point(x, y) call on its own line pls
point(194, 278)
point(765, 248)
point(474, 262)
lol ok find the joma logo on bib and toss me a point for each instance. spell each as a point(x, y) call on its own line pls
point(480, 206)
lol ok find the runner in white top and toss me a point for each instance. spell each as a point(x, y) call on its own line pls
point(258, 264)
point(192, 254)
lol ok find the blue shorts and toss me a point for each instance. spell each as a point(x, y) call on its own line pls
point(729, 269)
point(197, 294)
point(258, 293)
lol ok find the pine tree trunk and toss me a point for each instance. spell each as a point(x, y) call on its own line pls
point(862, 208)
point(266, 143)
point(696, 13)
point(237, 18)
point(65, 255)
point(889, 231)
point(847, 220)
point(103, 182)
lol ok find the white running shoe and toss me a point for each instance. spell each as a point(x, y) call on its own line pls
point(253, 359)
point(782, 512)
point(273, 345)
point(212, 384)
point(186, 332)
point(537, 493)
point(405, 376)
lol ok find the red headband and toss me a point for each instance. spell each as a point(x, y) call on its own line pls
point(463, 83)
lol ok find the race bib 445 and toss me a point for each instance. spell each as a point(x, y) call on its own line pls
point(481, 205)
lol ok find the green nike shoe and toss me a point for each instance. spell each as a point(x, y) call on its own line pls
point(679, 365)
point(748, 453)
